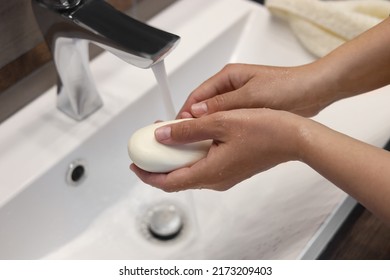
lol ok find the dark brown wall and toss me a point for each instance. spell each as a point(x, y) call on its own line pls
point(22, 49)
point(18, 30)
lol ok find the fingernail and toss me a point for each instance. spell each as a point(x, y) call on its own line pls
point(199, 108)
point(185, 115)
point(163, 133)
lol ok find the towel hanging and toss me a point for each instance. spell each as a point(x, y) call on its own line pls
point(322, 26)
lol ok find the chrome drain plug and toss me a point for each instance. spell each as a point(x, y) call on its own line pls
point(164, 221)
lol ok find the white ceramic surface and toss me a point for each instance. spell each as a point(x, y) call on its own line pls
point(274, 215)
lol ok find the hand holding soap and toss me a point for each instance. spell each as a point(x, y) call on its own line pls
point(150, 155)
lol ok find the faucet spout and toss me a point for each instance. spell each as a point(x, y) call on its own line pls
point(69, 25)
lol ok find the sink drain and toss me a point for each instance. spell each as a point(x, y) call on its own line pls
point(77, 172)
point(163, 222)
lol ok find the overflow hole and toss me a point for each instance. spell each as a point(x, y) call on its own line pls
point(77, 172)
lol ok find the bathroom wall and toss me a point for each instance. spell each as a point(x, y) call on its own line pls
point(26, 68)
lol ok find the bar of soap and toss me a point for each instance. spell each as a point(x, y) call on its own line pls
point(150, 155)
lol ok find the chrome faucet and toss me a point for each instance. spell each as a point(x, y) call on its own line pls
point(69, 25)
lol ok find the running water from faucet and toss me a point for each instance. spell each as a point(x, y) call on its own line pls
point(162, 80)
point(161, 76)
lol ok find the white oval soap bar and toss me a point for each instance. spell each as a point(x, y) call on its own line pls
point(150, 155)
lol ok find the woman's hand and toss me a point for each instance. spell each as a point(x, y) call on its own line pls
point(358, 66)
point(249, 141)
point(246, 142)
point(302, 90)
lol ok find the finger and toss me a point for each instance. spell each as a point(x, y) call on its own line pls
point(181, 179)
point(185, 115)
point(208, 127)
point(222, 102)
point(215, 85)
point(153, 179)
point(197, 176)
point(177, 180)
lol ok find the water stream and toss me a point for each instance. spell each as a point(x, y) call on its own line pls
point(162, 80)
point(161, 76)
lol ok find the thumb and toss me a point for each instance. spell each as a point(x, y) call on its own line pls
point(187, 131)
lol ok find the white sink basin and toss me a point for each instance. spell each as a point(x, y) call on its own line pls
point(288, 212)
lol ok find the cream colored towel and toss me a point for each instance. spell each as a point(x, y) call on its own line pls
point(322, 26)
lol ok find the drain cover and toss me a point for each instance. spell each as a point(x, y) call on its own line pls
point(165, 221)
